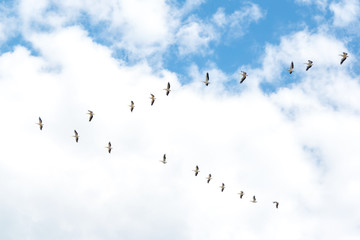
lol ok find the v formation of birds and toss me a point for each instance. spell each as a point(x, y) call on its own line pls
point(309, 64)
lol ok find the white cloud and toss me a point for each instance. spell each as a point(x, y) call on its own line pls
point(296, 145)
point(345, 12)
point(195, 37)
point(237, 23)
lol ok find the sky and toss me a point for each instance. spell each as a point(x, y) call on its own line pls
point(287, 138)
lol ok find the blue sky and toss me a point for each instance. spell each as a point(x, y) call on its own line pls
point(286, 138)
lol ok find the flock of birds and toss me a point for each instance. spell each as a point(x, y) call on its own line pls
point(309, 64)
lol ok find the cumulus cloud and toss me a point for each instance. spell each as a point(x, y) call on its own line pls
point(195, 36)
point(238, 22)
point(345, 12)
point(296, 144)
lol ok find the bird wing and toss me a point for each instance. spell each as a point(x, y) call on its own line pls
point(75, 132)
point(168, 86)
point(40, 121)
point(292, 65)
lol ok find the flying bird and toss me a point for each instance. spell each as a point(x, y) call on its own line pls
point(276, 204)
point(209, 178)
point(167, 89)
point(291, 70)
point(40, 123)
point(241, 193)
point(207, 79)
point(152, 99)
point(309, 64)
point(344, 56)
point(196, 170)
point(76, 136)
point(164, 159)
point(222, 187)
point(253, 200)
point(244, 75)
point(91, 115)
point(109, 147)
point(132, 106)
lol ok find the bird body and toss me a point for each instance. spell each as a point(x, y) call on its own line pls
point(164, 159)
point(196, 170)
point(344, 56)
point(291, 70)
point(209, 178)
point(244, 75)
point(309, 64)
point(109, 147)
point(241, 193)
point(167, 89)
point(207, 79)
point(40, 123)
point(152, 99)
point(91, 115)
point(276, 204)
point(76, 136)
point(222, 187)
point(253, 200)
point(132, 105)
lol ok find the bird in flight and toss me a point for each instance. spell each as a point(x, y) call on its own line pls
point(167, 89)
point(344, 56)
point(109, 147)
point(253, 200)
point(207, 79)
point(164, 159)
point(91, 115)
point(244, 75)
point(40, 123)
point(291, 70)
point(76, 136)
point(196, 170)
point(276, 204)
point(309, 64)
point(241, 193)
point(152, 99)
point(222, 187)
point(132, 106)
point(209, 178)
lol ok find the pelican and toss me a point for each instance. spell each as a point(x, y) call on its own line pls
point(241, 193)
point(196, 170)
point(40, 123)
point(207, 79)
point(222, 187)
point(152, 99)
point(164, 159)
point(344, 56)
point(244, 75)
point(91, 115)
point(291, 70)
point(167, 89)
point(132, 106)
point(209, 178)
point(253, 200)
point(76, 136)
point(309, 64)
point(276, 204)
point(109, 147)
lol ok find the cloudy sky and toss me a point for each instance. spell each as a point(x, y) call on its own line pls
point(287, 138)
